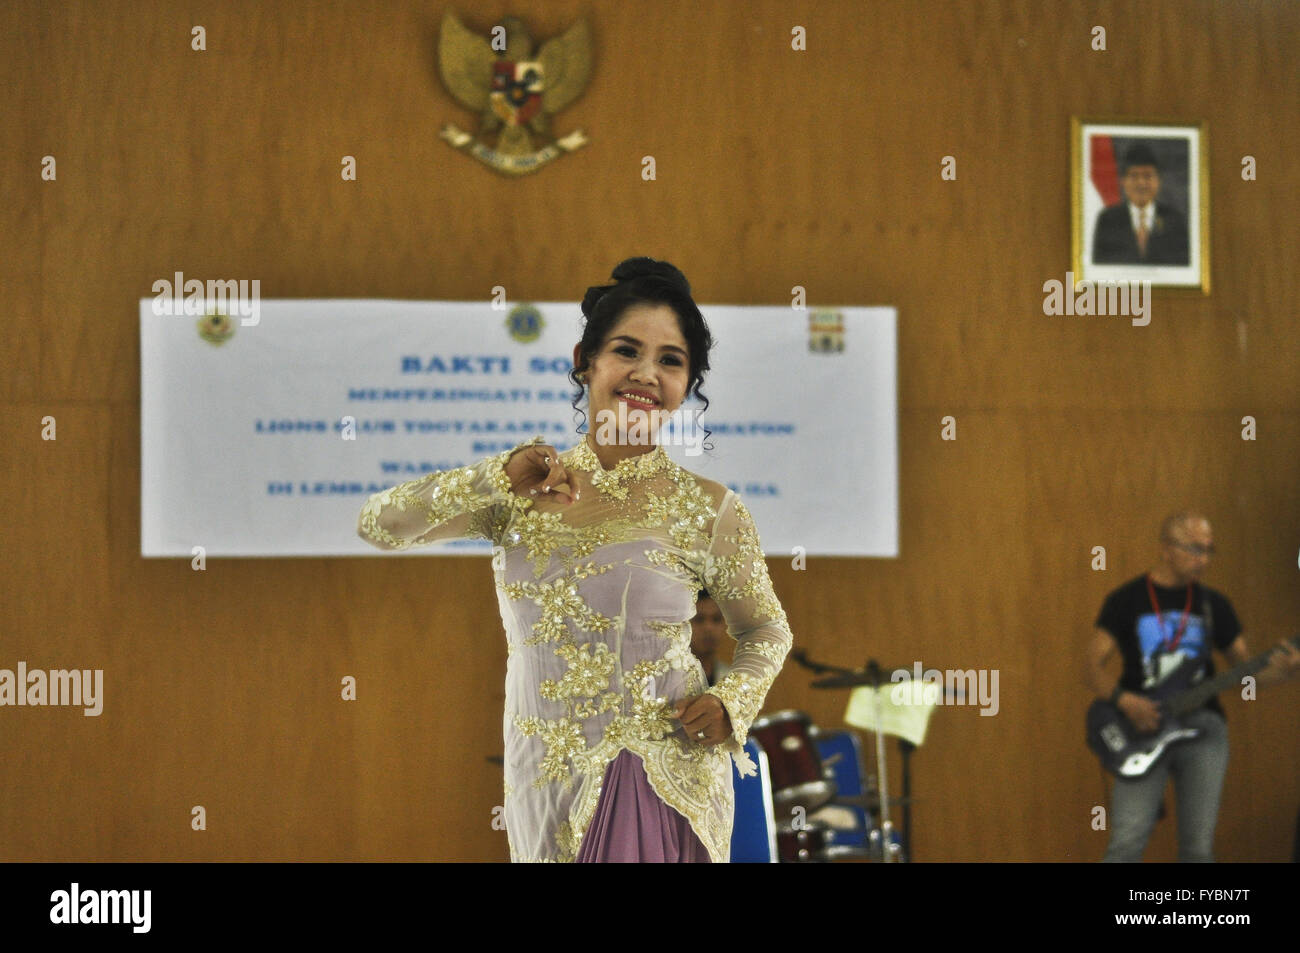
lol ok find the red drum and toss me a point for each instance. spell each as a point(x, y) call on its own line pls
point(796, 768)
point(802, 846)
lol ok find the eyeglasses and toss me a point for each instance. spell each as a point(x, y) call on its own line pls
point(1194, 548)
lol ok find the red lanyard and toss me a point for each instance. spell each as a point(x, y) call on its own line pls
point(1160, 621)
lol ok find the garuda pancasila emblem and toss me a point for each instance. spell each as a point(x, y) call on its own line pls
point(514, 93)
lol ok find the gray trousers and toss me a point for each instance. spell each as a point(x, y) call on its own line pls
point(1197, 767)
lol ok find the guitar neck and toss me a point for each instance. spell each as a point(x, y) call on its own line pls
point(1198, 695)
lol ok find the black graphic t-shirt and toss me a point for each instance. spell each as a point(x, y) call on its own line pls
point(1147, 647)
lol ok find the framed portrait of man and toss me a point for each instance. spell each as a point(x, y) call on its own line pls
point(1140, 202)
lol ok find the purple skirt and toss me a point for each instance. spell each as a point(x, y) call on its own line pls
point(633, 825)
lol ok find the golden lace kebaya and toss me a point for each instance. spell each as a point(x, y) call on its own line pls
point(596, 599)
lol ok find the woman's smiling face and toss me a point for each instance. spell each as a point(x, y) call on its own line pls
point(644, 363)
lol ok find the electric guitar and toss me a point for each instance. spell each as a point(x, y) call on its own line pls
point(1128, 753)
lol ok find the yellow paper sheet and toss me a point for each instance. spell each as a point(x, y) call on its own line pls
point(903, 713)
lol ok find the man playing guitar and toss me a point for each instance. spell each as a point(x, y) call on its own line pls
point(1161, 624)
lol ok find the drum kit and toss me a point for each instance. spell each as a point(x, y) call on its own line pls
point(827, 808)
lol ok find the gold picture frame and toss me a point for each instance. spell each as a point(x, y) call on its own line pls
point(1140, 202)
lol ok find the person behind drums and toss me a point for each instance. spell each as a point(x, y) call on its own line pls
point(707, 631)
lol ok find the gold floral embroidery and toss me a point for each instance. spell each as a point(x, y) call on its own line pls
point(678, 655)
point(743, 575)
point(563, 739)
point(559, 602)
point(565, 842)
point(411, 513)
point(588, 673)
point(642, 672)
point(741, 698)
point(541, 534)
point(591, 707)
point(669, 559)
point(649, 721)
point(615, 481)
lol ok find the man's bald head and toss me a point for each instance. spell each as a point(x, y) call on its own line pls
point(1186, 545)
point(1176, 525)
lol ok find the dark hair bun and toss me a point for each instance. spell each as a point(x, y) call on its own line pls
point(637, 270)
point(632, 268)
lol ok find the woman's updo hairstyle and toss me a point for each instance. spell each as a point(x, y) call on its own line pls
point(644, 281)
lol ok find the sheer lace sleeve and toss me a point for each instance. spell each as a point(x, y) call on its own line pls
point(446, 504)
point(735, 574)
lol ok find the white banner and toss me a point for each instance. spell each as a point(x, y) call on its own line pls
point(243, 438)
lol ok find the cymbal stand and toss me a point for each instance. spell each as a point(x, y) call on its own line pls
point(888, 849)
point(906, 747)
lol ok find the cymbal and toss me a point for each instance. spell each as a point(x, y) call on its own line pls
point(809, 795)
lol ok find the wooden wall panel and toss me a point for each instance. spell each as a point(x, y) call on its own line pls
point(775, 169)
